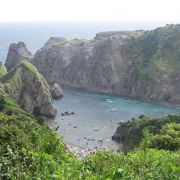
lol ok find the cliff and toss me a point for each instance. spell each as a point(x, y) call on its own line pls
point(28, 87)
point(137, 64)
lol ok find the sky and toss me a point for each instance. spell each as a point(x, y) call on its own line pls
point(90, 10)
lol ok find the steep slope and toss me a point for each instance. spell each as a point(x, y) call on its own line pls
point(28, 87)
point(17, 53)
point(138, 64)
point(97, 65)
point(156, 64)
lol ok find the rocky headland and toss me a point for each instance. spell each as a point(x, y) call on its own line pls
point(29, 88)
point(138, 64)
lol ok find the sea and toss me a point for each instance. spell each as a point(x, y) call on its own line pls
point(95, 116)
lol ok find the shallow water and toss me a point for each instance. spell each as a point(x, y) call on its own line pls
point(97, 116)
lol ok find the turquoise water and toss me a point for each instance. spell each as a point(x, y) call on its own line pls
point(97, 116)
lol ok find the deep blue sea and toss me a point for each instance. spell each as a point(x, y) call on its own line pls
point(96, 116)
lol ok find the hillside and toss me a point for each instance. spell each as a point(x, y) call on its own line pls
point(30, 150)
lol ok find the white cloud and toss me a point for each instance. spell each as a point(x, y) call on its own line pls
point(89, 10)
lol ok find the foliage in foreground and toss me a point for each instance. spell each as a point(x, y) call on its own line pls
point(30, 150)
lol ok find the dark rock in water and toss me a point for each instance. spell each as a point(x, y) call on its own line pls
point(28, 87)
point(66, 113)
point(120, 133)
point(17, 53)
point(95, 130)
point(56, 91)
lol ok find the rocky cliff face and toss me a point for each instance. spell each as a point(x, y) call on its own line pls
point(97, 65)
point(137, 64)
point(17, 53)
point(28, 87)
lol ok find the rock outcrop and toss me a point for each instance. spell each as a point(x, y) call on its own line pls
point(28, 87)
point(17, 53)
point(137, 64)
point(56, 91)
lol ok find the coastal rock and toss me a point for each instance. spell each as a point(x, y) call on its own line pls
point(94, 65)
point(28, 87)
point(125, 63)
point(17, 53)
point(56, 91)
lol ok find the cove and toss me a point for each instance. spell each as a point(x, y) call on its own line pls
point(97, 116)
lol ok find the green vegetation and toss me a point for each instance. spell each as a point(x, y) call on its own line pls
point(103, 47)
point(168, 138)
point(14, 78)
point(157, 53)
point(133, 131)
point(30, 150)
point(2, 69)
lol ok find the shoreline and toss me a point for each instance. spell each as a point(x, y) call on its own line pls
point(76, 149)
point(162, 103)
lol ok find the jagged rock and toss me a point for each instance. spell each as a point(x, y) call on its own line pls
point(56, 91)
point(28, 87)
point(3, 70)
point(17, 53)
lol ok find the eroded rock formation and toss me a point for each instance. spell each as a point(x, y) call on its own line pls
point(28, 87)
point(17, 53)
